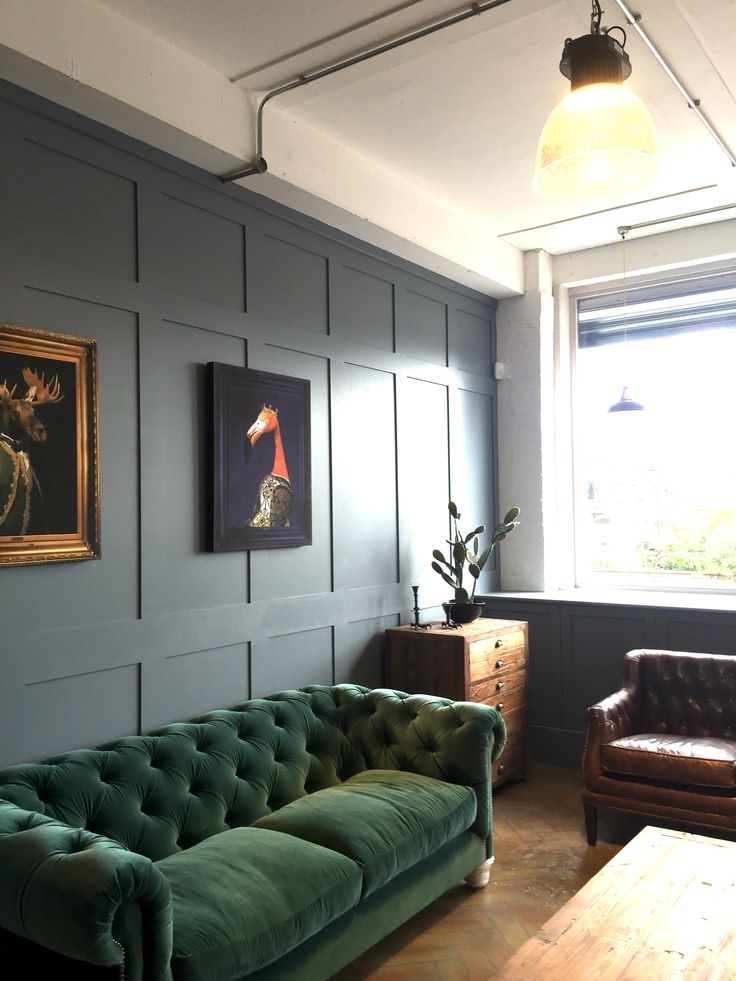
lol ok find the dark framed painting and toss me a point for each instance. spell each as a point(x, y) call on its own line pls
point(260, 458)
point(49, 483)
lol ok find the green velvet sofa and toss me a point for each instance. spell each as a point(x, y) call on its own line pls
point(277, 840)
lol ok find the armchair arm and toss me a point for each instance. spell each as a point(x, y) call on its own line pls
point(615, 716)
point(61, 887)
point(435, 737)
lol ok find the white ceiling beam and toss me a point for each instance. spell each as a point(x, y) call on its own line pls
point(305, 158)
point(73, 45)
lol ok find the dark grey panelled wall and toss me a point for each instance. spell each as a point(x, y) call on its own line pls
point(168, 269)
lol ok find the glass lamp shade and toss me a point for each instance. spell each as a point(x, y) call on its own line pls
point(598, 144)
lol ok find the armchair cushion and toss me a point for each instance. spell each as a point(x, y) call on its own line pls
point(384, 820)
point(703, 761)
point(265, 893)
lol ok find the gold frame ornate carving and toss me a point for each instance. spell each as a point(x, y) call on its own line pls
point(60, 523)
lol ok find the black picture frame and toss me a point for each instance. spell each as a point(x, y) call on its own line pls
point(259, 459)
point(49, 472)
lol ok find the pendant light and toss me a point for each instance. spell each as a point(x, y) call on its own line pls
point(626, 403)
point(599, 142)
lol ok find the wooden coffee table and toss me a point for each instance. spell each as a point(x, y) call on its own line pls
point(663, 908)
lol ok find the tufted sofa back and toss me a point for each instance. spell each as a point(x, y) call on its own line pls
point(684, 693)
point(160, 793)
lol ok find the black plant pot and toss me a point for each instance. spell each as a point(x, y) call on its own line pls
point(462, 612)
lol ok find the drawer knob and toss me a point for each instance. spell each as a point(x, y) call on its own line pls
point(499, 663)
point(499, 706)
point(499, 685)
point(501, 768)
point(499, 643)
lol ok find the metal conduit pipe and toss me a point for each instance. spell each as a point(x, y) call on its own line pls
point(259, 164)
point(624, 230)
point(635, 21)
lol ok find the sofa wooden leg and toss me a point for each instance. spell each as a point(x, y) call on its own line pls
point(591, 823)
point(481, 876)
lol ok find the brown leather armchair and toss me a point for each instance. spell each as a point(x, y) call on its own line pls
point(664, 746)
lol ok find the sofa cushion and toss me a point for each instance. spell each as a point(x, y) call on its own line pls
point(384, 820)
point(245, 897)
point(703, 761)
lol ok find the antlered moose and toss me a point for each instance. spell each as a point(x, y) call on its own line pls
point(20, 426)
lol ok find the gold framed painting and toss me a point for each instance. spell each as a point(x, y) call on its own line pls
point(49, 471)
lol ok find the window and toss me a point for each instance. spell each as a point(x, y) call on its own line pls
point(656, 488)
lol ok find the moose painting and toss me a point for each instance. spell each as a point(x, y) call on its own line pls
point(48, 447)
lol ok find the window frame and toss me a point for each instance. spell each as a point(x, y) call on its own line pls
point(574, 569)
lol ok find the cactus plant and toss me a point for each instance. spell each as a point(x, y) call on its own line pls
point(460, 554)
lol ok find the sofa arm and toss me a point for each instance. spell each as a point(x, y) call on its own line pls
point(614, 717)
point(61, 887)
point(435, 737)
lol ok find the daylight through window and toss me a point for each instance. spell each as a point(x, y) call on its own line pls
point(656, 488)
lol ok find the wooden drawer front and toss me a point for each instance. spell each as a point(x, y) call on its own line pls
point(498, 686)
point(515, 727)
point(514, 757)
point(487, 660)
point(508, 700)
point(510, 765)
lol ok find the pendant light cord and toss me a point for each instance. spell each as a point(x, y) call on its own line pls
point(625, 402)
point(623, 233)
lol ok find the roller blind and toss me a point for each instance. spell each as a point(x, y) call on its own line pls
point(652, 311)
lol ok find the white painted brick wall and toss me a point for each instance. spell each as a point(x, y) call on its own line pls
point(525, 327)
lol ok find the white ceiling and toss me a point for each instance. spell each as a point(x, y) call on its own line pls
point(434, 142)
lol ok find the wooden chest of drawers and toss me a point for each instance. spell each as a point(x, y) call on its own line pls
point(485, 661)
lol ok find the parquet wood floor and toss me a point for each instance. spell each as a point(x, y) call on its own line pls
point(542, 860)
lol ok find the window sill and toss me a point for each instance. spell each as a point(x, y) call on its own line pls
point(721, 602)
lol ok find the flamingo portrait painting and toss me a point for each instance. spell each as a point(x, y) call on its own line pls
point(261, 486)
point(273, 503)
